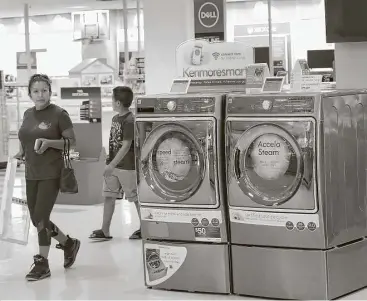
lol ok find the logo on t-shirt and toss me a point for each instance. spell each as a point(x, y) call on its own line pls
point(44, 125)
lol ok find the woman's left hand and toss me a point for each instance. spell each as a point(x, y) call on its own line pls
point(45, 144)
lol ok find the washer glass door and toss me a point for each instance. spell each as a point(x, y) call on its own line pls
point(176, 161)
point(270, 161)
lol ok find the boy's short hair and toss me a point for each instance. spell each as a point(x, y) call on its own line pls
point(124, 95)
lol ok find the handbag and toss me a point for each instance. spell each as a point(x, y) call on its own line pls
point(68, 182)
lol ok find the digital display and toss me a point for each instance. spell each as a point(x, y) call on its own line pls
point(273, 84)
point(346, 20)
point(320, 58)
point(180, 86)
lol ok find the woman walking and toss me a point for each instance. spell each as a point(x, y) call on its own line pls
point(42, 134)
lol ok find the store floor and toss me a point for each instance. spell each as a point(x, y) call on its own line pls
point(109, 270)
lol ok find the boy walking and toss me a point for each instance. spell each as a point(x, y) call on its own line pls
point(119, 174)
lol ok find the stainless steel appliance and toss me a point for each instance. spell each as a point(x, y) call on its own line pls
point(297, 194)
point(181, 191)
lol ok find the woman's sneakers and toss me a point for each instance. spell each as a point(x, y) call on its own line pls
point(40, 269)
point(71, 249)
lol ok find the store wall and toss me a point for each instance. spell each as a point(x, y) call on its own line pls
point(167, 23)
point(53, 33)
point(306, 18)
point(351, 65)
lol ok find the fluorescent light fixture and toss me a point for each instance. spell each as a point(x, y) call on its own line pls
point(77, 7)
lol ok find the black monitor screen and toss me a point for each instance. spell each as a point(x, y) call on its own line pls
point(262, 55)
point(346, 21)
point(320, 58)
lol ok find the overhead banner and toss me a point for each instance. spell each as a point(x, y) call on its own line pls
point(213, 64)
point(210, 19)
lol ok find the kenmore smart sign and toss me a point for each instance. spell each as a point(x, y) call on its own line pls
point(208, 73)
point(222, 61)
point(208, 15)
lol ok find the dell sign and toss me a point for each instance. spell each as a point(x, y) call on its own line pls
point(208, 15)
point(209, 19)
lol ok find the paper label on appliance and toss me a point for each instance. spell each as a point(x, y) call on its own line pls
point(179, 216)
point(290, 221)
point(311, 82)
point(207, 234)
point(271, 156)
point(255, 75)
point(162, 262)
point(173, 159)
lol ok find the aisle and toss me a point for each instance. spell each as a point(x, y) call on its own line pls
point(110, 270)
point(105, 271)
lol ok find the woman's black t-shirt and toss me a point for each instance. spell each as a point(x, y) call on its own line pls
point(48, 123)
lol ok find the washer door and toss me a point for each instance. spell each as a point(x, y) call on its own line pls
point(268, 164)
point(173, 162)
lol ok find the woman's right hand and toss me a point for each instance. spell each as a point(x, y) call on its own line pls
point(19, 156)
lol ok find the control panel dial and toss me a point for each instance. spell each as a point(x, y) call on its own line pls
point(171, 105)
point(267, 105)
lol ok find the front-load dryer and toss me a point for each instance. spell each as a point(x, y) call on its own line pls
point(181, 187)
point(296, 186)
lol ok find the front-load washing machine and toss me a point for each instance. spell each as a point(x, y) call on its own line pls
point(181, 191)
point(296, 185)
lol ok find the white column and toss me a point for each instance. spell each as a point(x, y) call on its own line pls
point(138, 11)
point(126, 43)
point(270, 22)
point(351, 65)
point(27, 40)
point(167, 23)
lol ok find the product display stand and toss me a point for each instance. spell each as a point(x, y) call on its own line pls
point(302, 80)
point(84, 108)
point(255, 77)
point(89, 175)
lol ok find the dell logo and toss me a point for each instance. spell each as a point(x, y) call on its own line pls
point(208, 15)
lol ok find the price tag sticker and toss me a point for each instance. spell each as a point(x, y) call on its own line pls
point(207, 233)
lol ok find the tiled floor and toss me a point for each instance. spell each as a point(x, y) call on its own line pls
point(109, 270)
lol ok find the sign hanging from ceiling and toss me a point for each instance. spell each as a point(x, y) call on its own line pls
point(209, 19)
point(213, 64)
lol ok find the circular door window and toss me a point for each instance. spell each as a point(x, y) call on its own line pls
point(174, 165)
point(268, 164)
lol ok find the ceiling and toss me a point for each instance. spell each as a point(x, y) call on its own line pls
point(15, 8)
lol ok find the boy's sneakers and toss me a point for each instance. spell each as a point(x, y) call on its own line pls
point(40, 269)
point(71, 249)
point(136, 235)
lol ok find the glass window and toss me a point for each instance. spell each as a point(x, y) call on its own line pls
point(298, 26)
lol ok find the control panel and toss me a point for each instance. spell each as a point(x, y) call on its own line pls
point(263, 104)
point(176, 105)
